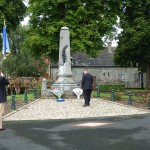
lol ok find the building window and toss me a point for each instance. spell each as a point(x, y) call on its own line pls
point(121, 77)
point(136, 77)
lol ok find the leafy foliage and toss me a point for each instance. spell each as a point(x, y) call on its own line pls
point(134, 41)
point(20, 62)
point(12, 12)
point(17, 38)
point(23, 64)
point(88, 22)
point(109, 87)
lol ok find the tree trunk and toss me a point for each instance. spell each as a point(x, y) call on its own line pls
point(148, 76)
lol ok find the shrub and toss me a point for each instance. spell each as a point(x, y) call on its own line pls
point(118, 95)
point(38, 87)
point(109, 87)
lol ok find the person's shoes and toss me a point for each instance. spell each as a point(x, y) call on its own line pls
point(88, 104)
point(84, 105)
point(2, 129)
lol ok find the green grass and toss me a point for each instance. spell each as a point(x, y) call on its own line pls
point(136, 90)
point(124, 96)
point(21, 97)
point(94, 94)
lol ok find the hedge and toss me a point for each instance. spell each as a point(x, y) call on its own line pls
point(109, 87)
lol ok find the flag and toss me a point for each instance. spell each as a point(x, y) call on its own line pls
point(6, 49)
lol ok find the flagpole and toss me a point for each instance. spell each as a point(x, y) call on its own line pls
point(4, 23)
point(2, 50)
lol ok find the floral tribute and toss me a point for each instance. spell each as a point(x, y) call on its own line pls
point(58, 92)
point(78, 92)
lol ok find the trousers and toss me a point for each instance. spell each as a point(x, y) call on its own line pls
point(1, 114)
point(87, 96)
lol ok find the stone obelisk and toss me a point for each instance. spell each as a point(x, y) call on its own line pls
point(65, 79)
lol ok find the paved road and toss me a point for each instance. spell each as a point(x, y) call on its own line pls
point(102, 133)
point(104, 125)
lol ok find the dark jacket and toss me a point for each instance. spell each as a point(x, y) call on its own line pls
point(87, 82)
point(3, 83)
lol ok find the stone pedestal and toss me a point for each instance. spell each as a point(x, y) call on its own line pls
point(65, 79)
point(45, 92)
point(43, 88)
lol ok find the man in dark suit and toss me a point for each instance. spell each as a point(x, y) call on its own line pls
point(3, 96)
point(87, 86)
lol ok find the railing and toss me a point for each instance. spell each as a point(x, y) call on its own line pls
point(125, 97)
point(25, 98)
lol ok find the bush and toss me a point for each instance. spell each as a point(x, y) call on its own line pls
point(118, 95)
point(109, 87)
point(38, 87)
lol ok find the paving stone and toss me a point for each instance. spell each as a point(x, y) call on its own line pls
point(43, 109)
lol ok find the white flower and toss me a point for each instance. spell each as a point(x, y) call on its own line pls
point(58, 92)
point(78, 92)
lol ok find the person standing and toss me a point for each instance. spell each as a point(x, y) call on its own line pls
point(34, 82)
point(87, 86)
point(12, 86)
point(3, 96)
point(27, 84)
point(17, 85)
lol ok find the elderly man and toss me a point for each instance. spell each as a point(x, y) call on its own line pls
point(3, 97)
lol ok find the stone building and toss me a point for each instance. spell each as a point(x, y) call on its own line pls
point(103, 69)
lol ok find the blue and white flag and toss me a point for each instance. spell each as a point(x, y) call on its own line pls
point(6, 49)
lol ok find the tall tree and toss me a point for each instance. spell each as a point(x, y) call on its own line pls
point(24, 65)
point(134, 41)
point(20, 62)
point(12, 11)
point(88, 21)
point(17, 38)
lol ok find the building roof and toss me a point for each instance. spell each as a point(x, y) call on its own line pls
point(104, 58)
